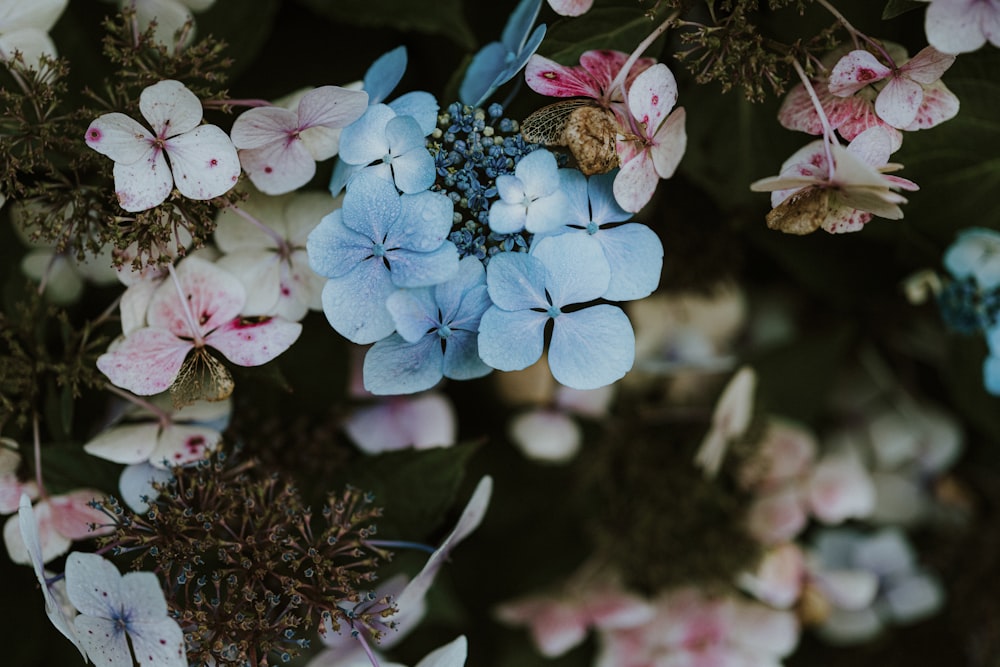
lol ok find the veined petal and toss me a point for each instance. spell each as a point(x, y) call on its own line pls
point(254, 341)
point(592, 347)
point(119, 137)
point(423, 223)
point(332, 107)
point(565, 257)
point(261, 126)
point(511, 341)
point(414, 312)
point(354, 303)
point(93, 586)
point(394, 366)
point(204, 162)
point(144, 184)
point(364, 140)
point(423, 269)
point(516, 281)
point(461, 357)
point(146, 362)
point(652, 96)
point(72, 514)
point(635, 255)
point(928, 65)
point(419, 105)
point(899, 101)
point(669, 144)
point(549, 78)
point(854, 71)
point(213, 296)
point(371, 206)
point(159, 643)
point(278, 167)
point(170, 108)
point(604, 65)
point(335, 249)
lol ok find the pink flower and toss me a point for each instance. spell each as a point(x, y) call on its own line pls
point(899, 101)
point(203, 162)
point(61, 520)
point(279, 147)
point(593, 78)
point(197, 309)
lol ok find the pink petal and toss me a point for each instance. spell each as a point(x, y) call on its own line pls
point(939, 105)
point(254, 341)
point(279, 167)
point(72, 515)
point(397, 423)
point(899, 101)
point(180, 444)
point(610, 608)
point(571, 7)
point(204, 162)
point(52, 544)
point(332, 107)
point(558, 630)
point(779, 577)
point(786, 451)
point(262, 126)
point(635, 184)
point(928, 65)
point(170, 108)
point(146, 362)
point(142, 185)
point(669, 144)
point(841, 488)
point(11, 489)
point(652, 96)
point(119, 137)
point(845, 219)
point(873, 146)
point(777, 517)
point(855, 71)
point(549, 78)
point(213, 296)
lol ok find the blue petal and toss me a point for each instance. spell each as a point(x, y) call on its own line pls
point(461, 357)
point(604, 207)
point(394, 366)
point(371, 205)
point(342, 175)
point(364, 140)
point(414, 312)
point(519, 24)
point(516, 281)
point(423, 269)
point(592, 347)
point(420, 106)
point(506, 217)
point(635, 254)
point(976, 253)
point(334, 249)
point(403, 135)
point(546, 214)
point(488, 63)
point(539, 173)
point(574, 185)
point(414, 170)
point(578, 270)
point(424, 222)
point(355, 303)
point(511, 341)
point(385, 74)
point(451, 296)
point(521, 57)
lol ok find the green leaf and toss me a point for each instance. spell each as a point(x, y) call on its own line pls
point(616, 28)
point(66, 467)
point(442, 17)
point(416, 488)
point(957, 163)
point(894, 8)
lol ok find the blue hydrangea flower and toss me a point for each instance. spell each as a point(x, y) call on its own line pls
point(379, 81)
point(436, 329)
point(590, 347)
point(633, 250)
point(975, 253)
point(532, 199)
point(376, 242)
point(498, 62)
point(392, 146)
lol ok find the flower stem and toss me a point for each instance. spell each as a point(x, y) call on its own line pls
point(161, 415)
point(855, 33)
point(827, 130)
point(622, 76)
point(186, 309)
point(284, 248)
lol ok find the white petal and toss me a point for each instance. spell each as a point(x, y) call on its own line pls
point(170, 108)
point(204, 162)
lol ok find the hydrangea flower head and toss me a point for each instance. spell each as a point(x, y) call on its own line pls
point(498, 62)
point(591, 346)
point(122, 615)
point(532, 199)
point(203, 162)
point(436, 335)
point(376, 242)
point(279, 147)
